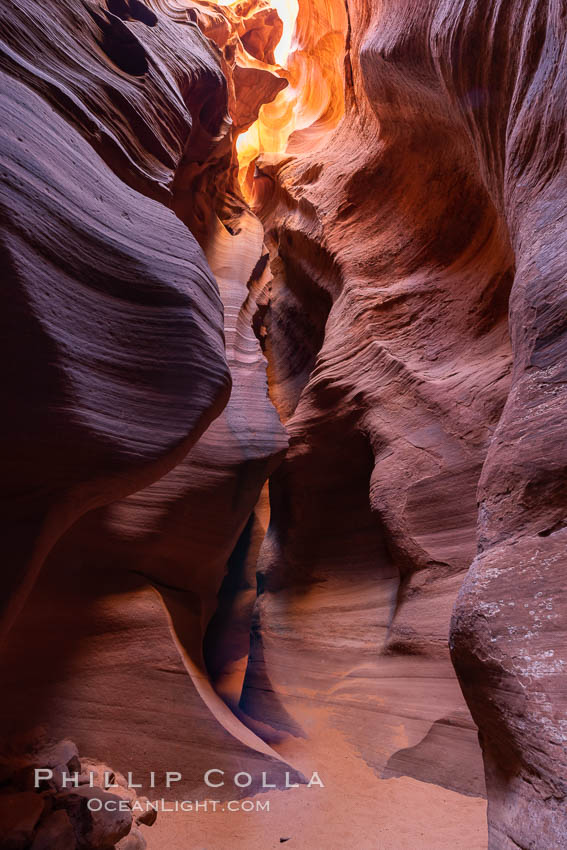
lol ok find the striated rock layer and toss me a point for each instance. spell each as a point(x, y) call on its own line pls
point(411, 398)
point(402, 275)
point(122, 367)
point(134, 586)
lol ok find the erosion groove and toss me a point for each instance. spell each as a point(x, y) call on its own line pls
point(285, 471)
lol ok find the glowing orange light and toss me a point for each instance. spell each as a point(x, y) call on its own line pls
point(276, 120)
point(287, 10)
point(310, 56)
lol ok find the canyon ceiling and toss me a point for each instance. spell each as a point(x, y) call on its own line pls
point(284, 353)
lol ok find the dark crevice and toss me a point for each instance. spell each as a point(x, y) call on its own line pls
point(121, 45)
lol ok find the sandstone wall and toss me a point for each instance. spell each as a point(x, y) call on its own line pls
point(392, 290)
point(424, 415)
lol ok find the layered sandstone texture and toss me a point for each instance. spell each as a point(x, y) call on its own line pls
point(349, 219)
point(112, 338)
point(415, 332)
point(149, 106)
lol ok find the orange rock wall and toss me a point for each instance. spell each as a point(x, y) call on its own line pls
point(416, 343)
point(392, 291)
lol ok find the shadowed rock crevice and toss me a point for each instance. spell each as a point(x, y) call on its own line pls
point(357, 230)
point(295, 308)
point(121, 45)
point(132, 10)
point(149, 411)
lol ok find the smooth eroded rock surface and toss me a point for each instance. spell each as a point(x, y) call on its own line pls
point(284, 365)
point(112, 336)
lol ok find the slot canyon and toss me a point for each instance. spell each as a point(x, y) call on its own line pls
point(284, 346)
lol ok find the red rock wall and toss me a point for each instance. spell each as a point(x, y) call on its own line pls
point(160, 121)
point(424, 419)
point(404, 274)
point(98, 400)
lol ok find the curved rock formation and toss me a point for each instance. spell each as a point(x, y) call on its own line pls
point(99, 404)
point(166, 536)
point(394, 294)
point(510, 620)
point(390, 400)
point(451, 192)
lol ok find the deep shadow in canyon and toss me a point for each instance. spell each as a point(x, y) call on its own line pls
point(284, 351)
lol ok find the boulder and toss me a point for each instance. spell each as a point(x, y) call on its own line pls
point(99, 819)
point(144, 814)
point(19, 815)
point(133, 841)
point(55, 832)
